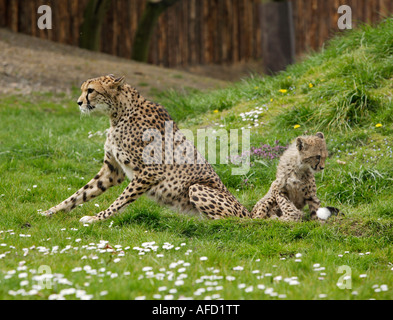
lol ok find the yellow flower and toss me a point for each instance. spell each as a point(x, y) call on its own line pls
point(310, 85)
point(215, 111)
point(256, 88)
point(283, 90)
point(271, 99)
point(289, 77)
point(378, 125)
point(296, 126)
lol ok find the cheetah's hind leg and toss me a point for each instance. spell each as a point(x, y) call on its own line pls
point(216, 204)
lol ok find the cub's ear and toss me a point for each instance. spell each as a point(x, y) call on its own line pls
point(320, 135)
point(300, 143)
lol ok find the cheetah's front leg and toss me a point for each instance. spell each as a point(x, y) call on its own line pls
point(138, 186)
point(110, 174)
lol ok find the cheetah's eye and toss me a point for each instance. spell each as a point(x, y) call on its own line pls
point(90, 90)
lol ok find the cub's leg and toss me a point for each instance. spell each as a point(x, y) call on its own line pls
point(215, 203)
point(138, 186)
point(311, 198)
point(313, 205)
point(267, 207)
point(288, 209)
point(263, 208)
point(110, 174)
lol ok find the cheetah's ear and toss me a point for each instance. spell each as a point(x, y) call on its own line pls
point(300, 143)
point(119, 81)
point(320, 135)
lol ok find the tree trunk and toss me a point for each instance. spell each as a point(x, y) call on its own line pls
point(144, 33)
point(91, 27)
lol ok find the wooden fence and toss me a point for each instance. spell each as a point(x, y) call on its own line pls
point(192, 32)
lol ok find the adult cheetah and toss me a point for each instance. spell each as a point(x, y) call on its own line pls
point(173, 174)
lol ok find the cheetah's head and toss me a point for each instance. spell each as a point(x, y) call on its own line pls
point(97, 94)
point(312, 151)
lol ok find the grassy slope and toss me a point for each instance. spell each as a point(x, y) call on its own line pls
point(46, 153)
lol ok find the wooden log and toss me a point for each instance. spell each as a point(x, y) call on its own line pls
point(14, 15)
point(278, 40)
point(3, 13)
point(192, 31)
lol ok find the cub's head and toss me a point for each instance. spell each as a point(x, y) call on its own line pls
point(312, 151)
point(97, 94)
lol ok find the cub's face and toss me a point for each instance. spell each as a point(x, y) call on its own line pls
point(97, 94)
point(312, 151)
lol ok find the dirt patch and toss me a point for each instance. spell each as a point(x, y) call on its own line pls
point(30, 64)
point(234, 72)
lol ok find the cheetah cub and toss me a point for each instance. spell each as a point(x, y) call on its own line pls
point(168, 169)
point(295, 186)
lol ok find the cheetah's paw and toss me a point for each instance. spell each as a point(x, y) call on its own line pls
point(88, 219)
point(47, 213)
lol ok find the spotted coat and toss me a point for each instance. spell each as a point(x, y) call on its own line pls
point(295, 187)
point(175, 175)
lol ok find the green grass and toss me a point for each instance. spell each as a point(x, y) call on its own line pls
point(47, 151)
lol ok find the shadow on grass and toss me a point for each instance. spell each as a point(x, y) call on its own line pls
point(258, 231)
